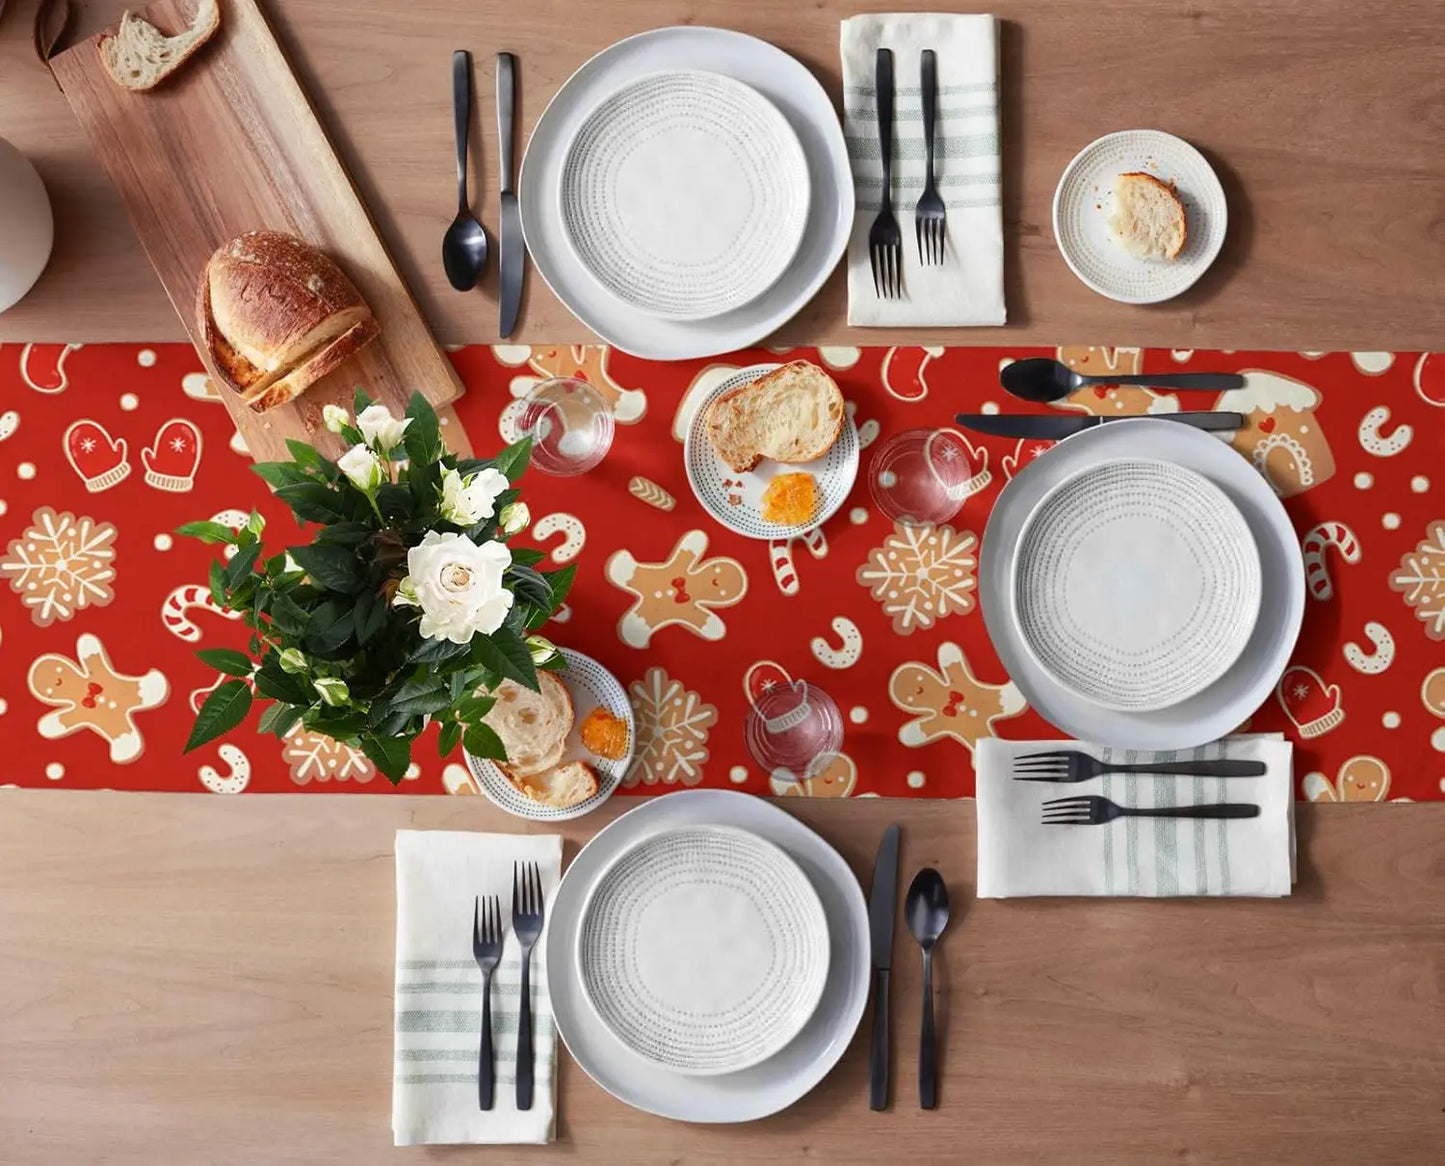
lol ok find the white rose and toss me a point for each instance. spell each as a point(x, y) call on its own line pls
point(457, 585)
point(514, 517)
point(381, 430)
point(334, 417)
point(473, 500)
point(362, 468)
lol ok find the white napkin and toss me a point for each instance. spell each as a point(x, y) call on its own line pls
point(968, 287)
point(1019, 855)
point(439, 991)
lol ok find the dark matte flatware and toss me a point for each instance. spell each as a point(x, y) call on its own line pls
point(929, 217)
point(926, 909)
point(528, 915)
point(885, 241)
point(1072, 765)
point(1043, 428)
point(513, 246)
point(882, 905)
point(487, 950)
point(464, 246)
point(1038, 378)
point(1095, 811)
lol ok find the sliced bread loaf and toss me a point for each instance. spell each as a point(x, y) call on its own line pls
point(533, 726)
point(792, 414)
point(139, 56)
point(1148, 219)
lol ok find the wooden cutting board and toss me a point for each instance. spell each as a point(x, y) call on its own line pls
point(228, 144)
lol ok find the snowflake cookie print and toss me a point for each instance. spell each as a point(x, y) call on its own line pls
point(1420, 579)
point(317, 757)
point(672, 730)
point(921, 574)
point(62, 564)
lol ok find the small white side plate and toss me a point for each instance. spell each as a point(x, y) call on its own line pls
point(685, 194)
point(735, 500)
point(590, 686)
point(1084, 201)
point(704, 949)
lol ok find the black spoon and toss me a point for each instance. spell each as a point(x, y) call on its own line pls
point(926, 909)
point(1040, 379)
point(464, 247)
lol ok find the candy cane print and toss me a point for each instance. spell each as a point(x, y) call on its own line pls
point(186, 598)
point(847, 654)
point(569, 526)
point(1372, 441)
point(780, 556)
point(232, 782)
point(1374, 662)
point(1327, 534)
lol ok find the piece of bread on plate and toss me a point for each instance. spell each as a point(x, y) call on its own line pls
point(793, 414)
point(560, 787)
point(276, 315)
point(533, 726)
point(139, 56)
point(1148, 219)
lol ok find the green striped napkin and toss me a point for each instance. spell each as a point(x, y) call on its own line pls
point(439, 991)
point(968, 288)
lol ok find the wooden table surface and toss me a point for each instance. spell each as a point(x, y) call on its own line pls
point(1325, 120)
point(188, 978)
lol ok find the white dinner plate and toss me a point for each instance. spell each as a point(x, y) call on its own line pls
point(590, 686)
point(1228, 702)
point(703, 949)
point(782, 1079)
point(685, 194)
point(1084, 200)
point(1136, 584)
point(792, 90)
point(736, 500)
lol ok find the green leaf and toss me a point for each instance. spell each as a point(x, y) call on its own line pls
point(513, 460)
point(437, 651)
point(526, 556)
point(312, 501)
point(395, 501)
point(423, 438)
point(447, 739)
point(218, 584)
point(559, 584)
point(474, 708)
point(457, 685)
point(272, 682)
point(239, 567)
point(431, 701)
point(345, 534)
point(391, 754)
point(360, 402)
point(505, 653)
point(243, 593)
point(328, 627)
point(480, 741)
point(255, 523)
point(207, 532)
point(352, 435)
point(340, 724)
point(332, 567)
point(370, 616)
point(278, 718)
point(224, 709)
point(289, 616)
point(528, 585)
point(227, 660)
point(277, 474)
point(306, 456)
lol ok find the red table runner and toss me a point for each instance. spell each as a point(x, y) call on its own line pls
point(104, 450)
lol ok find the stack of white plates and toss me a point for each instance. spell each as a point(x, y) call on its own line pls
point(686, 192)
point(710, 957)
point(1142, 586)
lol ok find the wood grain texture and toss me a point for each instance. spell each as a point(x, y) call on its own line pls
point(227, 145)
point(190, 978)
point(1325, 120)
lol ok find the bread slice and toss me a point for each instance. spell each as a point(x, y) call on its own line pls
point(533, 726)
point(276, 316)
point(1148, 219)
point(139, 56)
point(561, 787)
point(792, 414)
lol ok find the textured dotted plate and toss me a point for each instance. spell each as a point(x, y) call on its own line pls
point(735, 500)
point(703, 949)
point(589, 685)
point(685, 194)
point(1136, 584)
point(1084, 201)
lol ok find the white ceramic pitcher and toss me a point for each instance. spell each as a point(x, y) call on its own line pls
point(27, 228)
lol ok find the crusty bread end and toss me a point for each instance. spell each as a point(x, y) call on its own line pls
point(565, 786)
point(1148, 219)
point(139, 56)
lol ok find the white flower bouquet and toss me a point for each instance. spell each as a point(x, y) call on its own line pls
point(407, 607)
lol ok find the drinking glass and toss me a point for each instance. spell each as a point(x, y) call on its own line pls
point(792, 729)
point(570, 424)
point(921, 476)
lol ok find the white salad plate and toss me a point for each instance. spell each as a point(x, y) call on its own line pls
point(786, 84)
point(590, 686)
point(1136, 584)
point(703, 949)
point(1224, 705)
point(783, 1078)
point(1084, 201)
point(735, 500)
point(685, 194)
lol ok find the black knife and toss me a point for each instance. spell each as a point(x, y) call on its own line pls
point(1045, 428)
point(882, 901)
point(513, 249)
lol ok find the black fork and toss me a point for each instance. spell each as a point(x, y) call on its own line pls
point(528, 914)
point(885, 241)
point(1075, 765)
point(1095, 811)
point(487, 950)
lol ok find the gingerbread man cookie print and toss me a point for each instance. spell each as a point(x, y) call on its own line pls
point(88, 693)
point(684, 589)
point(950, 701)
